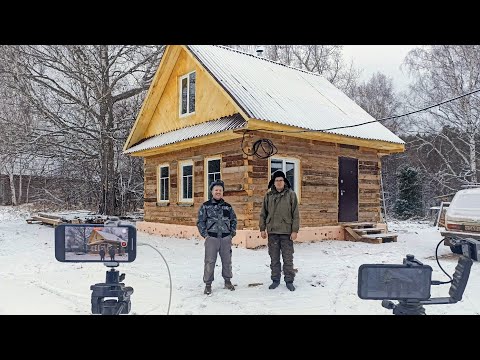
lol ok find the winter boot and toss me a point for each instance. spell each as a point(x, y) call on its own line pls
point(290, 286)
point(229, 285)
point(274, 284)
point(208, 289)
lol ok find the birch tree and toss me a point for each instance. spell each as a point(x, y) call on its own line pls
point(446, 138)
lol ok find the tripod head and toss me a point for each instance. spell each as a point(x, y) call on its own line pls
point(117, 294)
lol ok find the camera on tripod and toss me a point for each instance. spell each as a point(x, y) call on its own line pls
point(110, 244)
point(409, 283)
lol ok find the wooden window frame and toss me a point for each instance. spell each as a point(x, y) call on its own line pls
point(297, 187)
point(181, 164)
point(187, 76)
point(205, 173)
point(159, 178)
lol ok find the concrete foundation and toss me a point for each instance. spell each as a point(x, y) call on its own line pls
point(249, 239)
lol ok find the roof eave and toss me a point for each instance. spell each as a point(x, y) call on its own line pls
point(385, 147)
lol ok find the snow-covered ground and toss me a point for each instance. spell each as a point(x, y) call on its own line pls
point(33, 282)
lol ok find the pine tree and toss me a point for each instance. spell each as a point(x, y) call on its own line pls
point(409, 202)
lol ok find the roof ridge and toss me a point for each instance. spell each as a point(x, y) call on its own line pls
point(265, 59)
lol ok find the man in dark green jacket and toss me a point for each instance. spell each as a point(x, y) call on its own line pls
point(280, 218)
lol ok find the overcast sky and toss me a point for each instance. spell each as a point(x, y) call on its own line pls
point(384, 58)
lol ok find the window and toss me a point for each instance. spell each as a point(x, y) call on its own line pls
point(187, 94)
point(212, 173)
point(163, 177)
point(186, 181)
point(291, 168)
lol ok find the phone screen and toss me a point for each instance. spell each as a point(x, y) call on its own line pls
point(394, 282)
point(95, 243)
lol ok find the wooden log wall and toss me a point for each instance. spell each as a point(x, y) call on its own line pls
point(233, 171)
point(246, 180)
point(319, 174)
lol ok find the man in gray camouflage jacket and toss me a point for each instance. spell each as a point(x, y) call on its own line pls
point(217, 223)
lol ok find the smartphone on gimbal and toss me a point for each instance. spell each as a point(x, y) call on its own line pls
point(95, 243)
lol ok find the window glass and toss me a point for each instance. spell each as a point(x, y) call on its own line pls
point(191, 93)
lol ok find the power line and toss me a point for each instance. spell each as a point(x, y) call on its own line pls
point(373, 121)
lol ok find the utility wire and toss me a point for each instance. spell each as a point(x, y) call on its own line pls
point(379, 120)
point(269, 149)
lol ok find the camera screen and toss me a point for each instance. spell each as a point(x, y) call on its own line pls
point(82, 243)
point(394, 282)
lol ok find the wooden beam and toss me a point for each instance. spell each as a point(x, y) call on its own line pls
point(352, 233)
point(45, 220)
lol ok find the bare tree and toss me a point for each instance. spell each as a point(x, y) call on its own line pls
point(377, 97)
point(82, 98)
point(450, 131)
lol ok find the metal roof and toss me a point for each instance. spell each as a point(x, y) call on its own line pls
point(109, 236)
point(274, 92)
point(235, 121)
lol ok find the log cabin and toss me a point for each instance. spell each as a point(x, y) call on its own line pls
point(208, 112)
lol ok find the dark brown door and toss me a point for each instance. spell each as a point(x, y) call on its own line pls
point(347, 189)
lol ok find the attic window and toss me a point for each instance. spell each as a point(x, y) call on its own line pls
point(187, 94)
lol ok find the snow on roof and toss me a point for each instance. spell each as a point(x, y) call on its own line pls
point(109, 236)
point(210, 127)
point(274, 92)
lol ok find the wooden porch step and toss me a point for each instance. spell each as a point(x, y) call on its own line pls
point(379, 238)
point(369, 231)
point(356, 225)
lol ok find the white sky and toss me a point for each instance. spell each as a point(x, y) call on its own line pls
point(384, 58)
point(33, 282)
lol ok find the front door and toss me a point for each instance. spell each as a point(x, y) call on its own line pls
point(347, 189)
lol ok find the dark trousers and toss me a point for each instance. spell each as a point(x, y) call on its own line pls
point(214, 246)
point(281, 243)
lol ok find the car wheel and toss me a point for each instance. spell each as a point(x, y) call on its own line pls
point(456, 249)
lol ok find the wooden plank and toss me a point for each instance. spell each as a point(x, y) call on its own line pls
point(382, 236)
point(372, 241)
point(31, 221)
point(352, 233)
point(49, 216)
point(49, 221)
point(358, 224)
point(365, 231)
